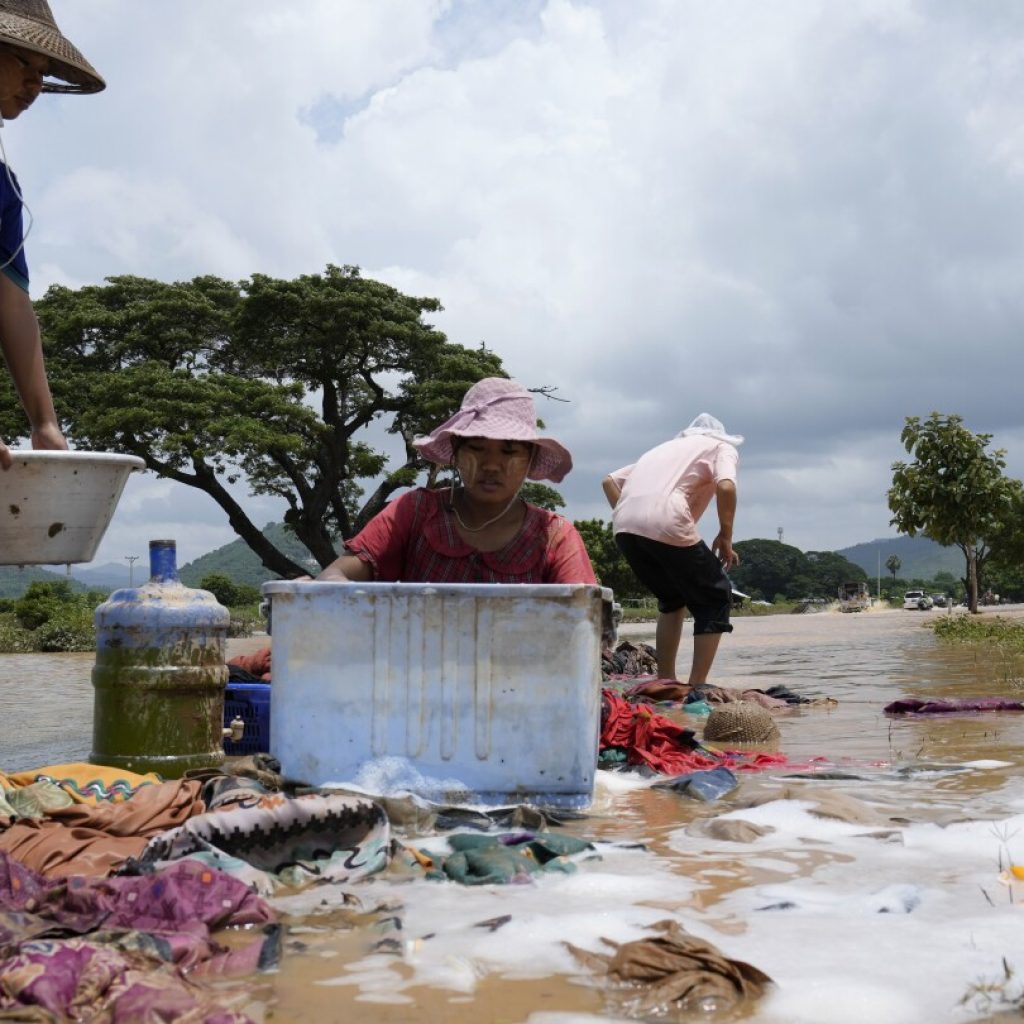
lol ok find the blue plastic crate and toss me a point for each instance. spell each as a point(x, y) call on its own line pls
point(251, 703)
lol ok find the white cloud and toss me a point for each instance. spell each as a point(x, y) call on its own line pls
point(803, 217)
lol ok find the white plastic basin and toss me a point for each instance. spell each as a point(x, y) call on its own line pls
point(56, 506)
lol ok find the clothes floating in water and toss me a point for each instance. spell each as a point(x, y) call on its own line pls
point(640, 737)
point(673, 973)
point(707, 785)
point(475, 859)
point(913, 706)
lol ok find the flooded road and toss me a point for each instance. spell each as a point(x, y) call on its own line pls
point(870, 891)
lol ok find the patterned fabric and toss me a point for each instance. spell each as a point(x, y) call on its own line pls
point(78, 980)
point(414, 539)
point(144, 933)
point(34, 801)
point(84, 783)
point(96, 839)
point(272, 839)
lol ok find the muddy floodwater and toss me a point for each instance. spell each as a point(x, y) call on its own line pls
point(899, 907)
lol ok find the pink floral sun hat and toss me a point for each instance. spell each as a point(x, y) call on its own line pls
point(502, 410)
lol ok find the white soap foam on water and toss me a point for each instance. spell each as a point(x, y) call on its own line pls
point(607, 785)
point(565, 1017)
point(884, 921)
point(878, 930)
point(390, 776)
point(449, 941)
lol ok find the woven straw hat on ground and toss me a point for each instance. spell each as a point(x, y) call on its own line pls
point(501, 410)
point(740, 722)
point(29, 25)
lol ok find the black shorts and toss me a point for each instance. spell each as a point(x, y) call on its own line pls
point(691, 578)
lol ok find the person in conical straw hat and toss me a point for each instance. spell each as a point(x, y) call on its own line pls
point(477, 529)
point(657, 502)
point(35, 57)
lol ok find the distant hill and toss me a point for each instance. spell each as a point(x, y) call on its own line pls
point(14, 581)
point(238, 562)
point(110, 575)
point(234, 560)
point(921, 558)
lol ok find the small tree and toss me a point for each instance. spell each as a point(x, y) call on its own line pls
point(893, 564)
point(954, 491)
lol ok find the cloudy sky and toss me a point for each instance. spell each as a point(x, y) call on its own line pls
point(803, 216)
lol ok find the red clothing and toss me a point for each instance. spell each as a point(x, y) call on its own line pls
point(257, 664)
point(665, 746)
point(414, 540)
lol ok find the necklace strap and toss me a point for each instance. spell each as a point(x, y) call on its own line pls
point(482, 526)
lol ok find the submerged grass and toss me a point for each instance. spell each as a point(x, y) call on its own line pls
point(1008, 633)
point(999, 640)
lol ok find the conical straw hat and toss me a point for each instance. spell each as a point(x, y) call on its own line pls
point(29, 24)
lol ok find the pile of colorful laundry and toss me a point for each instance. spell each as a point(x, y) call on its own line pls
point(112, 885)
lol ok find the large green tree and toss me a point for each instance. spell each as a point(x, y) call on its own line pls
point(272, 380)
point(828, 571)
point(769, 568)
point(610, 566)
point(774, 569)
point(953, 491)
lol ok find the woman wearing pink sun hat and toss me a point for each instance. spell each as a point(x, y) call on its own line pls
point(477, 530)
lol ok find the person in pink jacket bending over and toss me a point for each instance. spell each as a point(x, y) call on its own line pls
point(657, 502)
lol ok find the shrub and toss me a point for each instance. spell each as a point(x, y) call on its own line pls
point(70, 629)
point(14, 639)
point(974, 629)
point(41, 602)
point(227, 592)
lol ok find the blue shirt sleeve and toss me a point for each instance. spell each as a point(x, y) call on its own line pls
point(12, 252)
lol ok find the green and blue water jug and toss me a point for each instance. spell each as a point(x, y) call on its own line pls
point(160, 674)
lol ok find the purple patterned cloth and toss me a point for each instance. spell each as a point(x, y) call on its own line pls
point(913, 706)
point(144, 933)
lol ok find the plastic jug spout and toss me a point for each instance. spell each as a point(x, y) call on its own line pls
point(236, 731)
point(163, 561)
